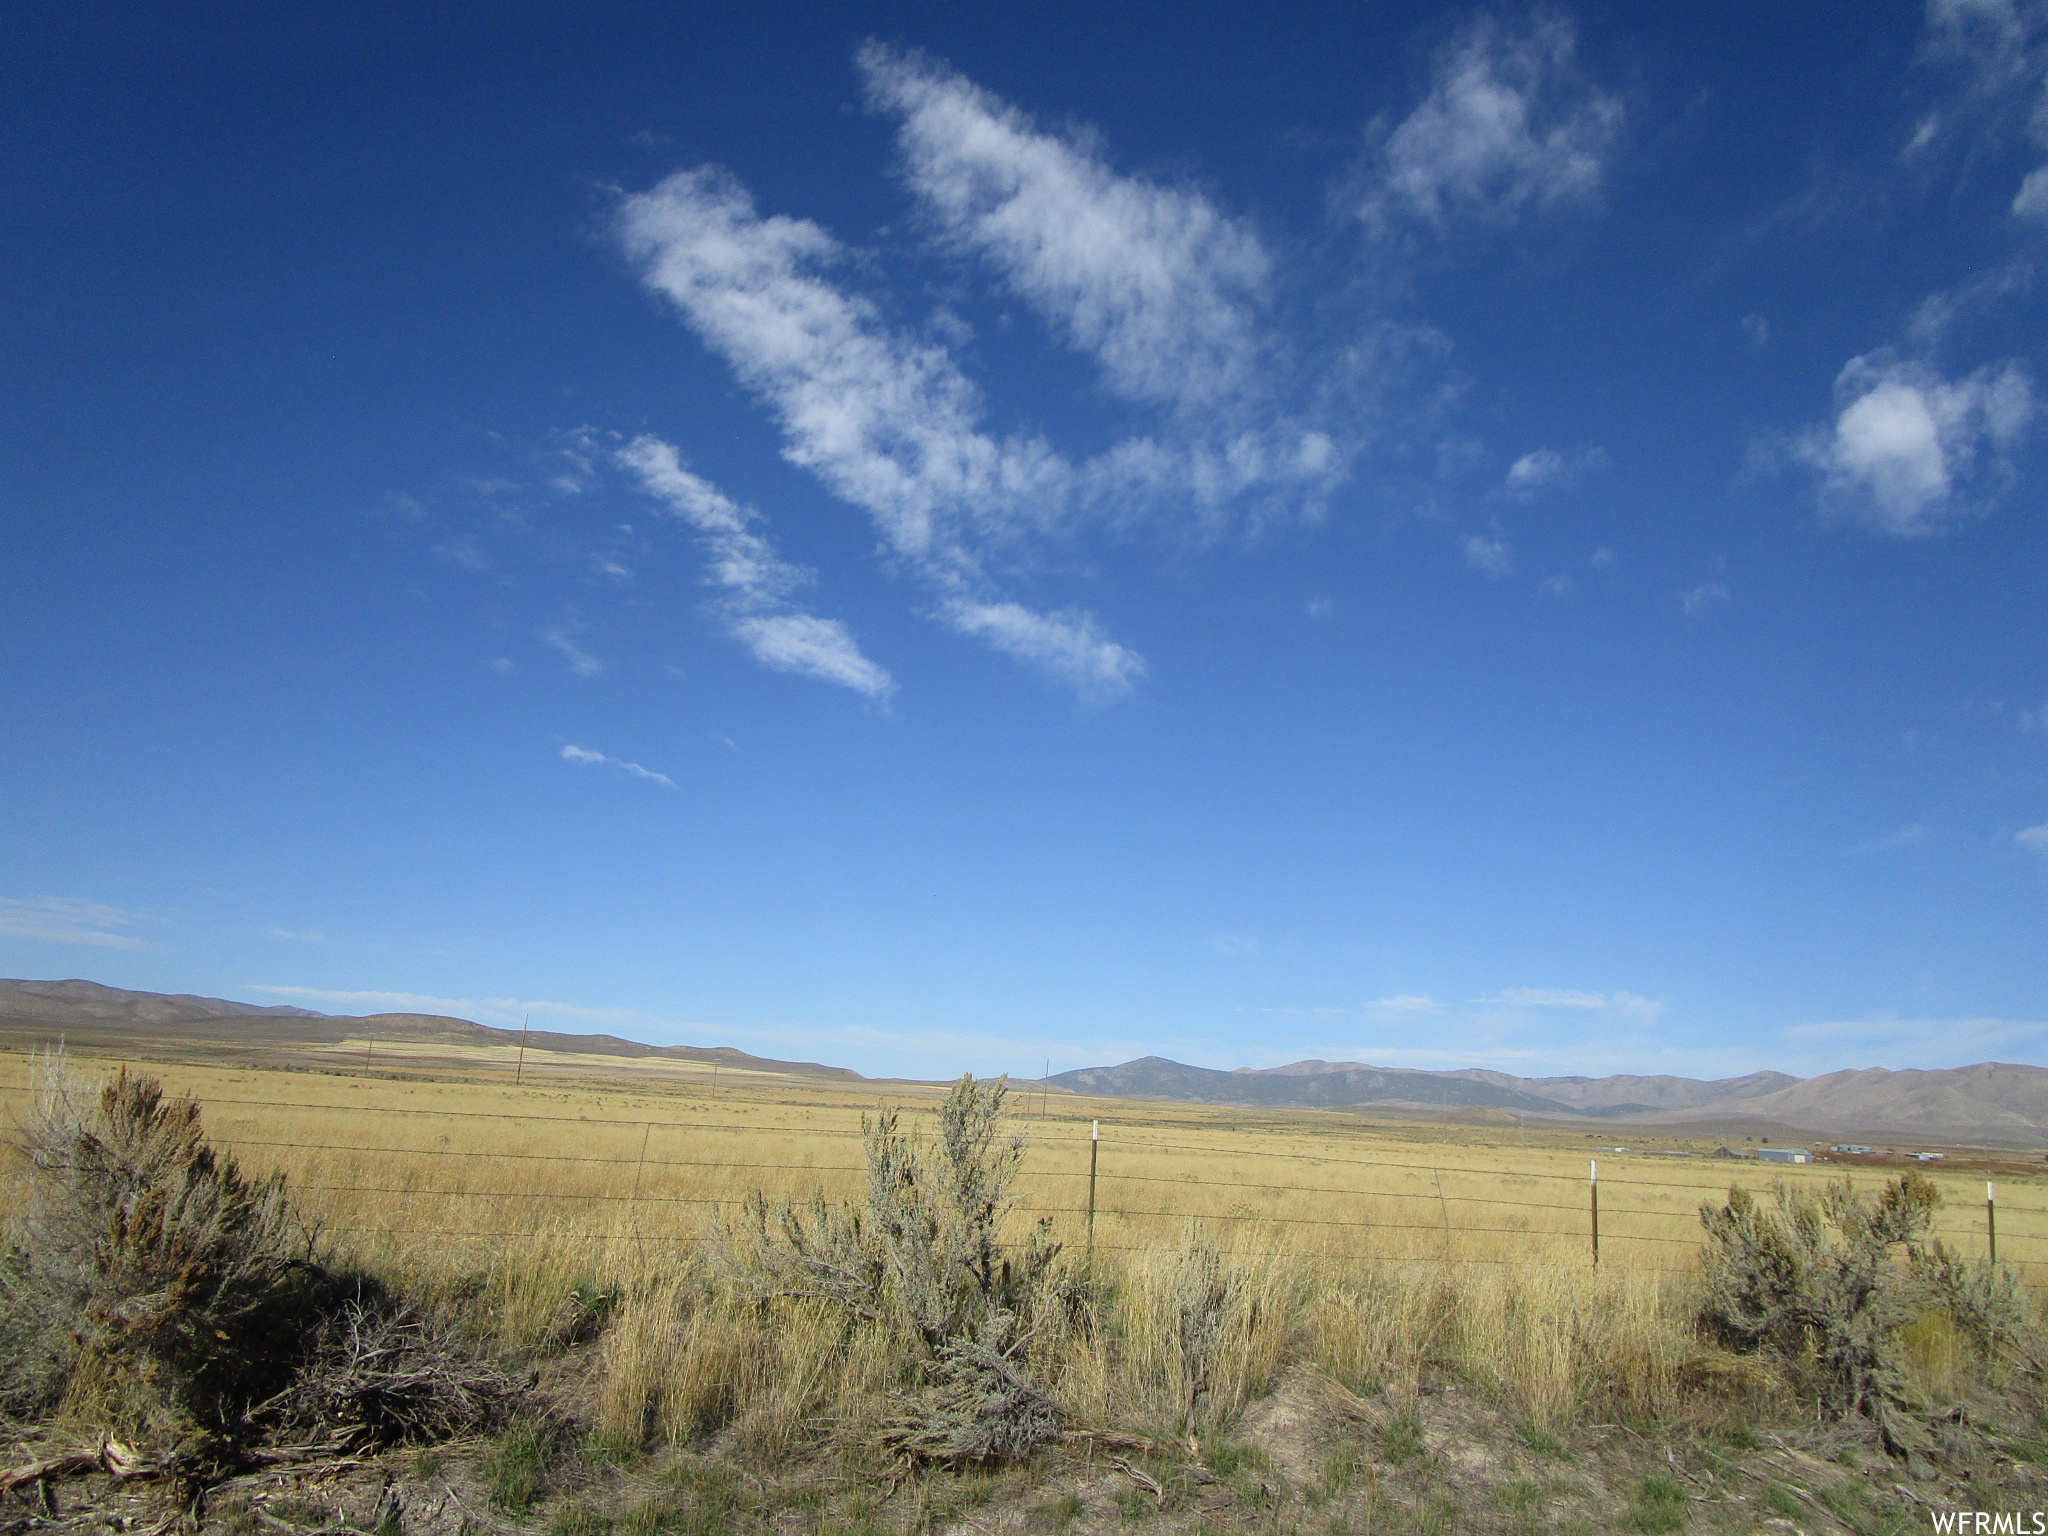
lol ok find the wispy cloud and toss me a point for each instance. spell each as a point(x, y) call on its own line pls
point(1233, 945)
point(1407, 1002)
point(888, 423)
point(1068, 645)
point(1703, 598)
point(1546, 469)
point(1168, 294)
point(1511, 127)
point(756, 580)
point(1489, 554)
point(1910, 835)
point(2034, 839)
point(1627, 1005)
point(1910, 452)
point(1156, 283)
point(584, 755)
point(69, 920)
point(581, 662)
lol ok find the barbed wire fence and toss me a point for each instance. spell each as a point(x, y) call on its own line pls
point(1095, 1190)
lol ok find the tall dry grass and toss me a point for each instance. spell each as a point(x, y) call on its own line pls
point(1225, 1256)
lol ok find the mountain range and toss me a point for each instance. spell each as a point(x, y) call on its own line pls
point(1993, 1104)
point(91, 1014)
point(1990, 1104)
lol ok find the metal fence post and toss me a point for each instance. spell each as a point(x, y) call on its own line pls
point(1991, 1217)
point(1593, 1190)
point(1094, 1155)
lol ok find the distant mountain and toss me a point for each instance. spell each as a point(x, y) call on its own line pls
point(89, 1013)
point(1331, 1084)
point(62, 1001)
point(1992, 1103)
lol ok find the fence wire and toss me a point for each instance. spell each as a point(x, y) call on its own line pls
point(1095, 1210)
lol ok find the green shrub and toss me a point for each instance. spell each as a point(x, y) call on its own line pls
point(1815, 1280)
point(145, 1280)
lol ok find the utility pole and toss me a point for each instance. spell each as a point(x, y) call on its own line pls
point(519, 1074)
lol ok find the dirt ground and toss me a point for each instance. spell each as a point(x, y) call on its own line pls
point(1310, 1457)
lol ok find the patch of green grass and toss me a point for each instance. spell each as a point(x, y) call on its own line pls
point(238, 1518)
point(1519, 1494)
point(578, 1520)
point(426, 1462)
point(1658, 1502)
point(1780, 1500)
point(1543, 1443)
point(1342, 1465)
point(1133, 1503)
point(515, 1471)
point(1401, 1437)
point(1851, 1502)
point(1062, 1511)
point(297, 1511)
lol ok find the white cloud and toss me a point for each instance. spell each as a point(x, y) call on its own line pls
point(1907, 446)
point(1940, 313)
point(1700, 599)
point(299, 936)
point(1488, 554)
point(2002, 47)
point(1233, 944)
point(1510, 127)
point(1547, 469)
point(2031, 201)
point(1756, 330)
point(68, 920)
point(1628, 1005)
point(1069, 646)
point(1533, 471)
point(1407, 1002)
point(2034, 839)
point(1155, 283)
point(581, 662)
point(756, 580)
point(887, 423)
point(584, 755)
point(1910, 835)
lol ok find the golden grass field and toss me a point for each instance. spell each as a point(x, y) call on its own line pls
point(1369, 1248)
point(390, 1156)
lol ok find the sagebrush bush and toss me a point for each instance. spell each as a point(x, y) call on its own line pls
point(1823, 1282)
point(926, 1256)
point(145, 1280)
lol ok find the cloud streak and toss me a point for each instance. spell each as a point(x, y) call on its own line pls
point(1155, 283)
point(587, 757)
point(68, 920)
point(756, 581)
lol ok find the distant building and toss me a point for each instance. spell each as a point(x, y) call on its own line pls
point(1728, 1152)
point(1783, 1155)
point(1843, 1146)
point(1927, 1157)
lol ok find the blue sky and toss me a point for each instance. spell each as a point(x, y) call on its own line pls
point(940, 537)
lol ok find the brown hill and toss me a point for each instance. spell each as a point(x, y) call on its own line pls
point(90, 1014)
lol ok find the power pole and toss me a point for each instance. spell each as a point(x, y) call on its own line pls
point(519, 1074)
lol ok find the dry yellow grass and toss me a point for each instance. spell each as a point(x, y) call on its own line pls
point(589, 1176)
point(1227, 1244)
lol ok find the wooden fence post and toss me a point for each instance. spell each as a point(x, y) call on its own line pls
point(1593, 1190)
point(1991, 1217)
point(1094, 1154)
